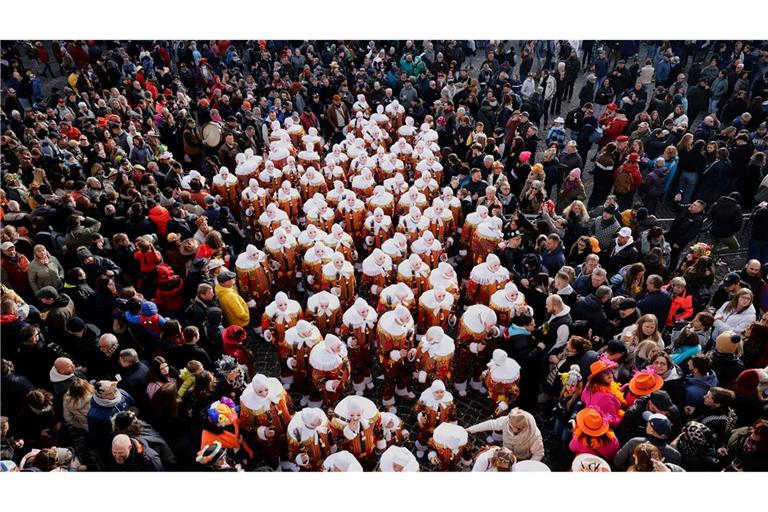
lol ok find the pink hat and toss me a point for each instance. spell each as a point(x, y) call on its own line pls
point(525, 156)
point(575, 173)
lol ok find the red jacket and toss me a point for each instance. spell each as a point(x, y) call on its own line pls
point(613, 129)
point(148, 261)
point(160, 217)
point(17, 274)
point(169, 296)
point(681, 308)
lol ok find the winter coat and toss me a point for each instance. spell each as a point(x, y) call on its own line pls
point(169, 295)
point(656, 303)
point(100, 419)
point(680, 309)
point(15, 273)
point(727, 367)
point(233, 306)
point(590, 308)
point(41, 275)
point(623, 458)
point(607, 451)
point(733, 321)
point(605, 232)
point(553, 260)
point(725, 215)
point(697, 387)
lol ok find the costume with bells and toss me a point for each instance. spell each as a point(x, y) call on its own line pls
point(358, 329)
point(310, 440)
point(254, 277)
point(338, 277)
point(477, 324)
point(324, 310)
point(301, 339)
point(279, 316)
point(485, 279)
point(395, 334)
point(434, 356)
point(501, 379)
point(357, 425)
point(281, 249)
point(450, 447)
point(266, 410)
point(435, 406)
point(330, 369)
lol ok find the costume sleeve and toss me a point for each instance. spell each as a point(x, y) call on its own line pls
point(496, 424)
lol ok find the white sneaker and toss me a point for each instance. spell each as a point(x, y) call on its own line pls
point(359, 392)
point(304, 401)
point(369, 385)
point(490, 440)
point(463, 392)
point(392, 409)
point(420, 454)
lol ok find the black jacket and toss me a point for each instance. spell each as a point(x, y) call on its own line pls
point(180, 355)
point(725, 215)
point(590, 309)
point(656, 303)
point(684, 228)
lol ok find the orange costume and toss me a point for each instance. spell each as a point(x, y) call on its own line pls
point(310, 439)
point(278, 317)
point(282, 248)
point(266, 410)
point(225, 185)
point(434, 356)
point(485, 279)
point(450, 447)
point(435, 406)
point(441, 222)
point(330, 369)
point(436, 308)
point(313, 262)
point(324, 310)
point(475, 326)
point(377, 229)
point(486, 239)
point(338, 277)
point(254, 277)
point(377, 274)
point(502, 378)
point(253, 201)
point(358, 328)
point(357, 425)
point(301, 338)
point(395, 334)
point(414, 273)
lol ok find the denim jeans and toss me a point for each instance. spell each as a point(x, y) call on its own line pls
point(688, 182)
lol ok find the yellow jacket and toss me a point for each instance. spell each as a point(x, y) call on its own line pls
point(233, 306)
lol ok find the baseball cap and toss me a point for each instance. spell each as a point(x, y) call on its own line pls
point(729, 280)
point(6, 246)
point(625, 231)
point(660, 423)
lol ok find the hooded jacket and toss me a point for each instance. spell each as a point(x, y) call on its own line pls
point(553, 260)
point(726, 217)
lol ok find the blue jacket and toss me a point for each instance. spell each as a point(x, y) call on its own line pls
point(100, 418)
point(697, 387)
point(680, 355)
point(553, 261)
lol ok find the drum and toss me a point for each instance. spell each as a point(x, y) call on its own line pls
point(212, 135)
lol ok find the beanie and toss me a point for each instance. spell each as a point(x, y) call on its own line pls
point(728, 343)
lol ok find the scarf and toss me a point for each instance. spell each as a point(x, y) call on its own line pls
point(108, 402)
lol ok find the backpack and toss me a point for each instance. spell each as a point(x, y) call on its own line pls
point(623, 183)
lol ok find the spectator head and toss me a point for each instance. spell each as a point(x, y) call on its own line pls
point(700, 364)
point(128, 357)
point(654, 282)
point(554, 304)
point(191, 335)
point(107, 343)
point(205, 292)
point(121, 448)
point(604, 293)
point(752, 268)
point(598, 278)
point(718, 397)
point(64, 366)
